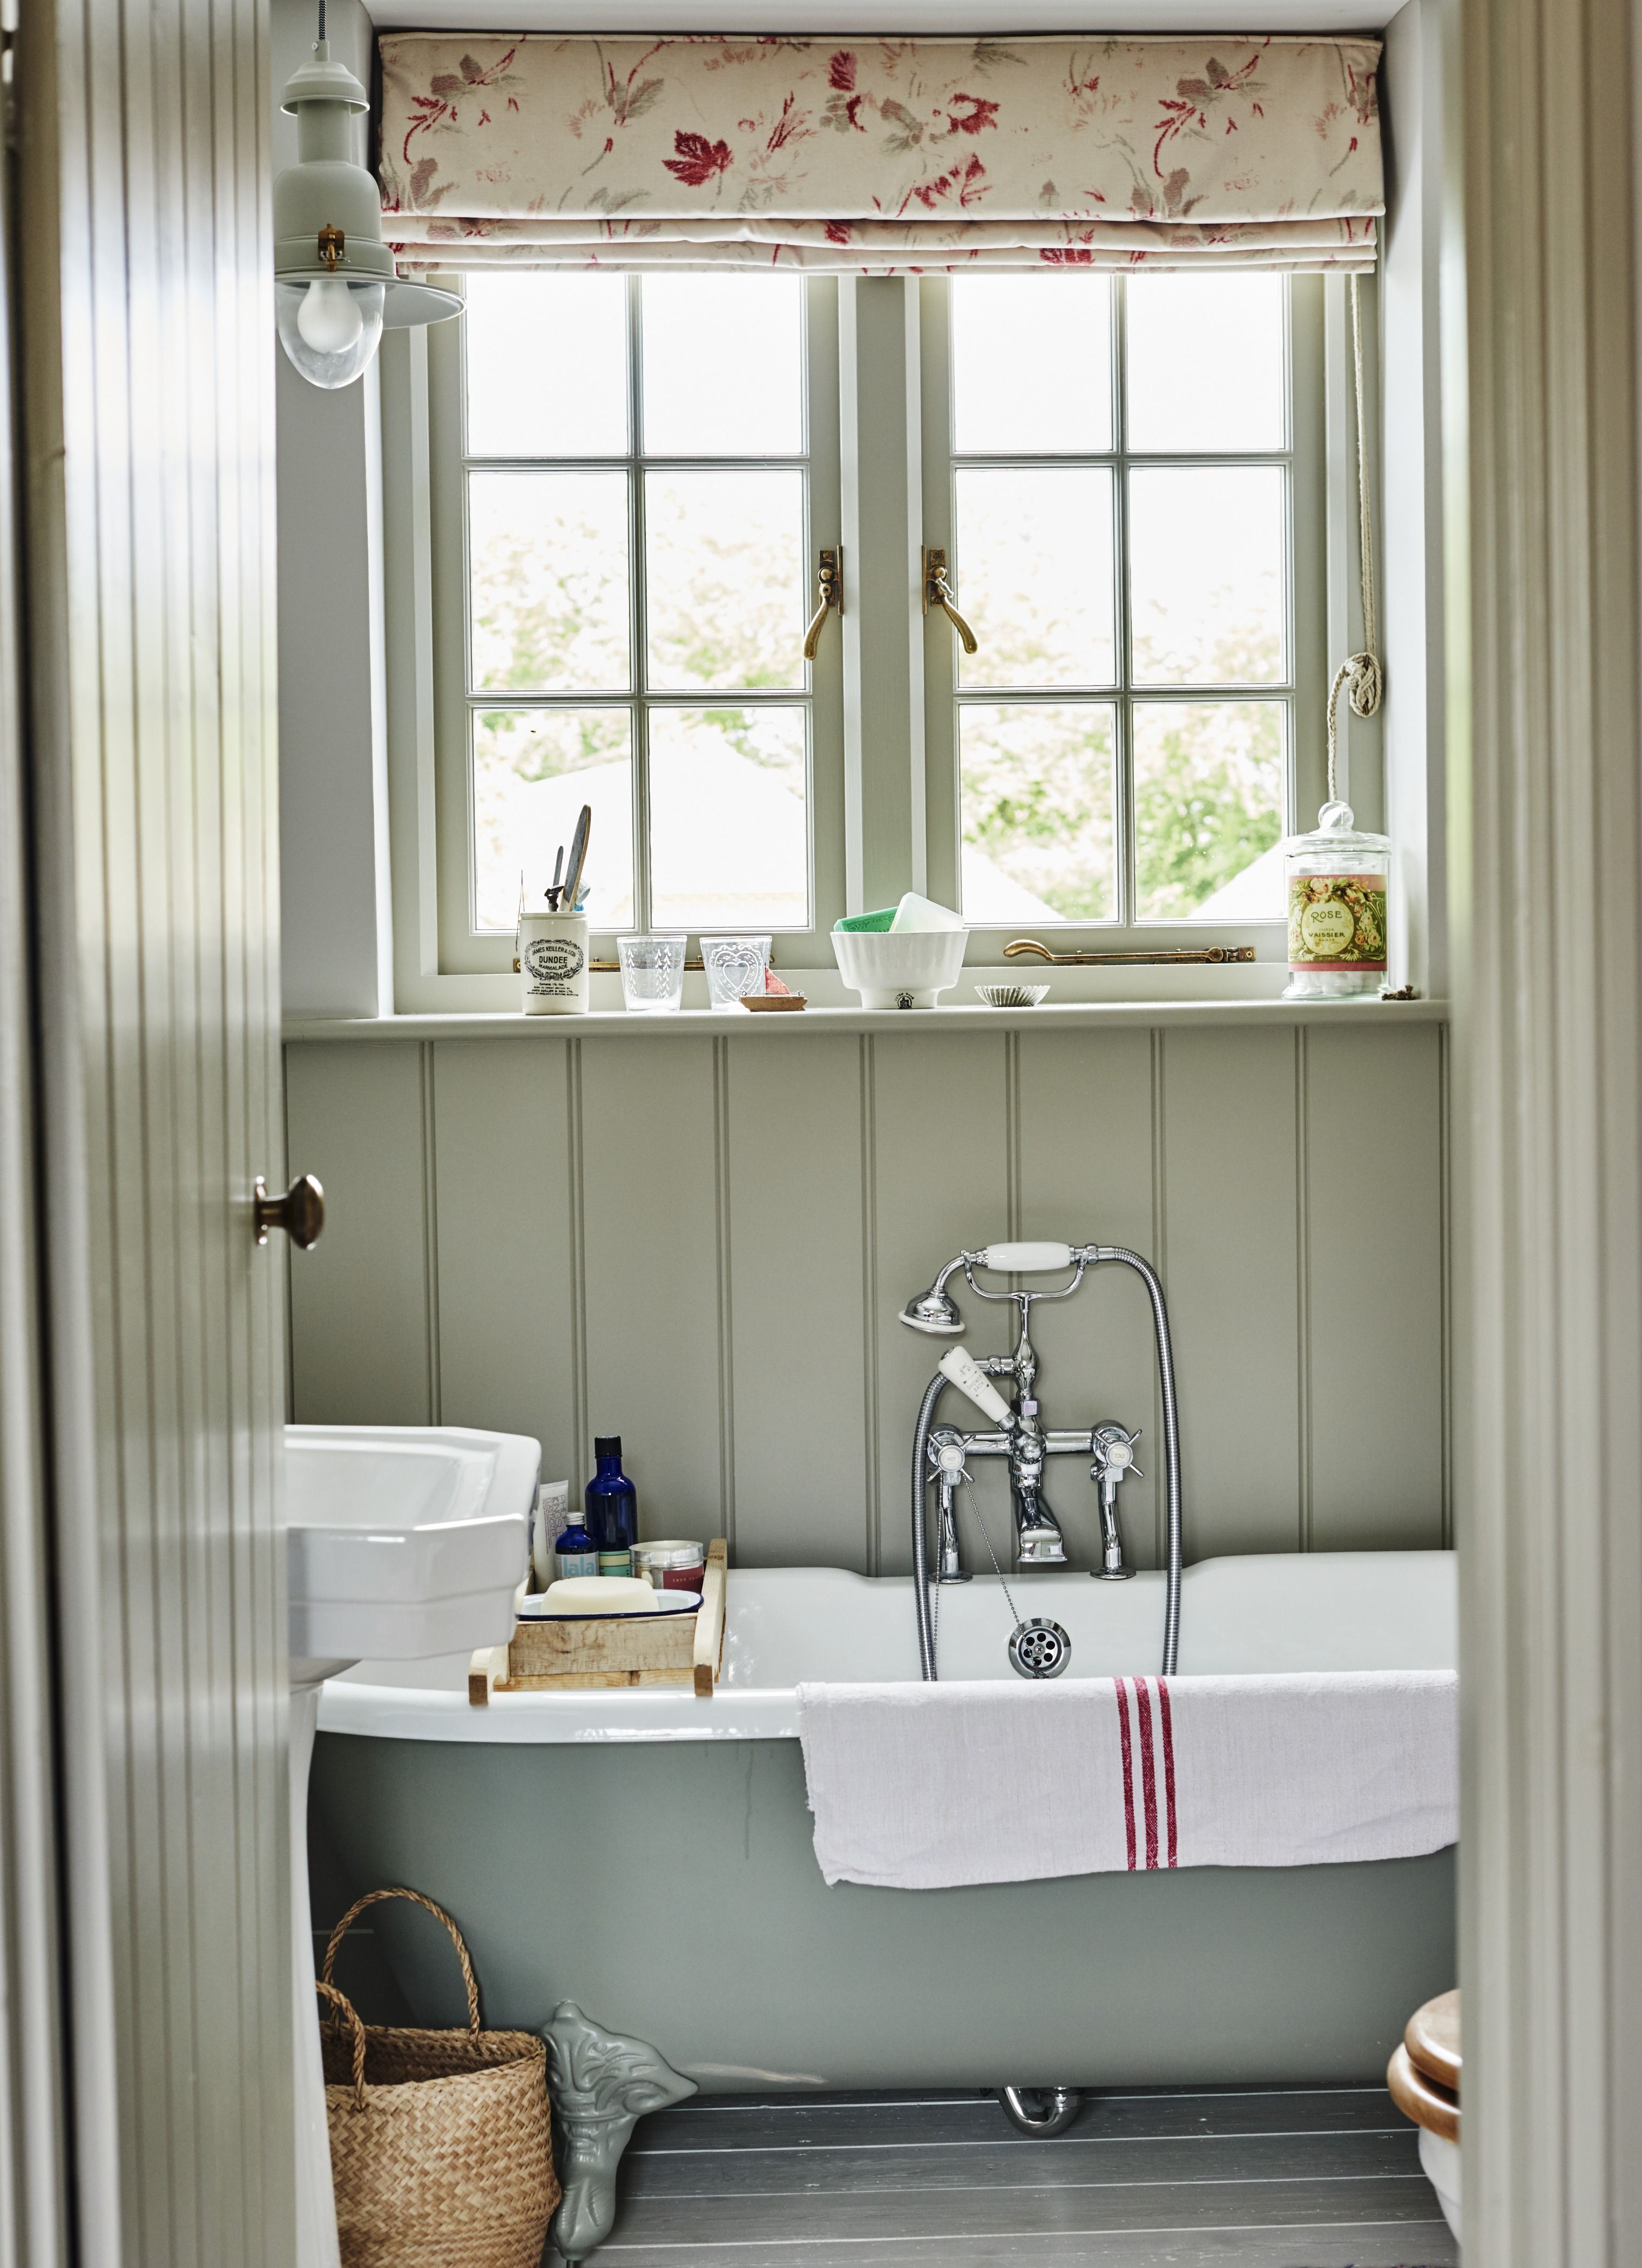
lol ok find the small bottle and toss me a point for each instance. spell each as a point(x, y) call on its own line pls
point(575, 1552)
point(611, 1508)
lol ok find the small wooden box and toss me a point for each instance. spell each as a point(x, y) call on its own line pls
point(550, 1657)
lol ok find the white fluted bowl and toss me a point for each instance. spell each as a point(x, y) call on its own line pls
point(899, 969)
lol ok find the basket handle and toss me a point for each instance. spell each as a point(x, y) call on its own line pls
point(416, 1899)
point(340, 2007)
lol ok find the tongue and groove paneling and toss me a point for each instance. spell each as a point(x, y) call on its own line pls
point(797, 1165)
point(702, 1237)
point(1087, 1152)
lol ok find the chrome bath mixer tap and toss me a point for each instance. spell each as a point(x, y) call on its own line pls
point(940, 1455)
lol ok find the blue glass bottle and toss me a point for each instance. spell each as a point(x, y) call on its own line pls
point(611, 1508)
point(575, 1552)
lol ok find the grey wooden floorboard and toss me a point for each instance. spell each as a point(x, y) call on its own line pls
point(1069, 2160)
point(1416, 2245)
point(1260, 2178)
point(975, 2117)
point(990, 2211)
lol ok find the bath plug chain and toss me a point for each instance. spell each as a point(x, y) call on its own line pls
point(1037, 1647)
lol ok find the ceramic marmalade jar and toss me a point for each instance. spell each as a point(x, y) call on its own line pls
point(1338, 881)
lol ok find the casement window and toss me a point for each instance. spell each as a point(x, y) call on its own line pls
point(1126, 471)
point(627, 475)
point(619, 489)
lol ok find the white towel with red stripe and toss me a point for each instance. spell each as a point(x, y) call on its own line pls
point(920, 1787)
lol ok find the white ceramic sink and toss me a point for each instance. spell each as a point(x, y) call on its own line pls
point(400, 1540)
point(403, 1541)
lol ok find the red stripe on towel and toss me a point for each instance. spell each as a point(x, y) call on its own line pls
point(1148, 1771)
point(1129, 1770)
point(1168, 1762)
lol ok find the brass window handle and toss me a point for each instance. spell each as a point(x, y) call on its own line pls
point(1031, 948)
point(300, 1212)
point(829, 586)
point(937, 592)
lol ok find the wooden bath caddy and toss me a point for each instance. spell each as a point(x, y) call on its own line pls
point(554, 1656)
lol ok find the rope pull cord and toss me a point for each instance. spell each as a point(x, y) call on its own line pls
point(1360, 675)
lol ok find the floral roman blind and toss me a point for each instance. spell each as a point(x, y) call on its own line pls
point(879, 156)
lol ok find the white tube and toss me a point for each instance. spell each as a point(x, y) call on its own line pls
point(965, 1373)
point(1026, 1259)
point(919, 914)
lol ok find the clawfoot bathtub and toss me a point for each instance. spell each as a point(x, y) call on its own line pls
point(649, 1854)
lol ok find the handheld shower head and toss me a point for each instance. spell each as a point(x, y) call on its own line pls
point(933, 1311)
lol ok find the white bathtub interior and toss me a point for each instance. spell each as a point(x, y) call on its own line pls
point(788, 1625)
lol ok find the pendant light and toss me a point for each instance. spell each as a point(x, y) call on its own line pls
point(335, 286)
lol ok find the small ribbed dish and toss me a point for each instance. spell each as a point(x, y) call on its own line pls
point(900, 968)
point(1012, 995)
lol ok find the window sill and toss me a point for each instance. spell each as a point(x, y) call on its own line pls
point(1086, 1016)
point(493, 998)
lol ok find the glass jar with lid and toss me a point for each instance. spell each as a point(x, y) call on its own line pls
point(1338, 878)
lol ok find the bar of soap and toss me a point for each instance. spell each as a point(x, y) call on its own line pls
point(600, 1595)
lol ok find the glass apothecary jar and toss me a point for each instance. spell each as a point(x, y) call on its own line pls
point(1337, 879)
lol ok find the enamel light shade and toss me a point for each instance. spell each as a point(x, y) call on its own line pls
point(334, 287)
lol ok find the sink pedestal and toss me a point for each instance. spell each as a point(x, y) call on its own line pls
point(316, 2205)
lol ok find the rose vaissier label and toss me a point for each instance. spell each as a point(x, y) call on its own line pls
point(1336, 920)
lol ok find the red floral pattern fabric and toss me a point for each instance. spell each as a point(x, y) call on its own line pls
point(880, 155)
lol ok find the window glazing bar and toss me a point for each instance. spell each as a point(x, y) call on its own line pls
point(881, 434)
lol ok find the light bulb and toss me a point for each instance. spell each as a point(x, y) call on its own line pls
point(329, 327)
point(328, 318)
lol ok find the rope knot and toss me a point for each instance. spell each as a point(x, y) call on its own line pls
point(1365, 683)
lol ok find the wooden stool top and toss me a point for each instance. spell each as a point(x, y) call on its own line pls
point(1418, 2098)
point(1432, 2040)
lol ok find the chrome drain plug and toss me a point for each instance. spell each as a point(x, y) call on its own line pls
point(1039, 1648)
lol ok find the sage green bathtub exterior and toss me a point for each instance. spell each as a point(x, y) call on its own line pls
point(672, 1890)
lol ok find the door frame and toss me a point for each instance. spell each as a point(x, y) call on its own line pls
point(1545, 875)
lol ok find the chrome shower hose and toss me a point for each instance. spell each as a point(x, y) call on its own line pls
point(1171, 1439)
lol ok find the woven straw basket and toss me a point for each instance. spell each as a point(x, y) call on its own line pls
point(440, 2153)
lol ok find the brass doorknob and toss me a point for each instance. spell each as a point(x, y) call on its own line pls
point(300, 1212)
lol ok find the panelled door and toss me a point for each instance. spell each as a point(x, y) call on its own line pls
point(142, 303)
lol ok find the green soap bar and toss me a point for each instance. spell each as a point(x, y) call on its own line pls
point(880, 921)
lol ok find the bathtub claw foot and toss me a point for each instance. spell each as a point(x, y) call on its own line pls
point(601, 2084)
point(1041, 2110)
